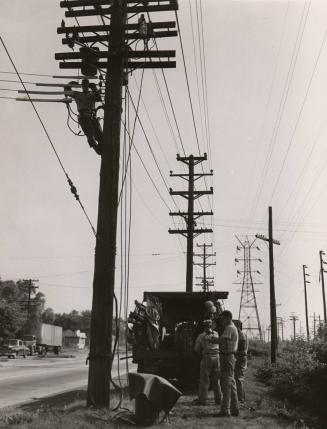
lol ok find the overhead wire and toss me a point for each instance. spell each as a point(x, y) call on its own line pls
point(299, 116)
point(283, 100)
point(71, 184)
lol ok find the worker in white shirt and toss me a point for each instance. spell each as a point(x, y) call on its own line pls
point(209, 367)
point(228, 343)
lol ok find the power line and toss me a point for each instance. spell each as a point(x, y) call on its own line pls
point(299, 115)
point(282, 104)
point(71, 185)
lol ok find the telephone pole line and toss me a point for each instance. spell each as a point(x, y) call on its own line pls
point(190, 216)
point(118, 60)
point(205, 283)
point(273, 316)
point(281, 323)
point(315, 319)
point(305, 281)
point(322, 271)
point(294, 318)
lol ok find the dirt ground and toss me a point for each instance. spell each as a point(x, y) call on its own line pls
point(68, 411)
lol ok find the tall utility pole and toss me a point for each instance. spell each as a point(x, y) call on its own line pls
point(205, 280)
point(322, 271)
point(117, 60)
point(248, 312)
point(305, 281)
point(190, 216)
point(294, 318)
point(273, 316)
point(31, 288)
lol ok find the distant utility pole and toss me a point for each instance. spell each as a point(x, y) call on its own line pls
point(305, 281)
point(248, 312)
point(31, 288)
point(117, 38)
point(206, 281)
point(190, 216)
point(322, 271)
point(294, 318)
point(315, 319)
point(273, 317)
point(280, 323)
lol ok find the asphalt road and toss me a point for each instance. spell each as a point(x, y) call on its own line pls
point(23, 380)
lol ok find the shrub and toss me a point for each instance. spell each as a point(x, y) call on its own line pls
point(298, 377)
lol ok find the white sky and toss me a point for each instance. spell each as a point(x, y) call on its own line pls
point(248, 52)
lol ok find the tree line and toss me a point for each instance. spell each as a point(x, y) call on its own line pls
point(17, 318)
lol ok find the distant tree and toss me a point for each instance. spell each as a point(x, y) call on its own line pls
point(85, 322)
point(70, 320)
point(48, 316)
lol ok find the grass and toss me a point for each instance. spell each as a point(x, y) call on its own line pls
point(68, 411)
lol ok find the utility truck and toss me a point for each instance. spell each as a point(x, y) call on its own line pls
point(47, 338)
point(163, 329)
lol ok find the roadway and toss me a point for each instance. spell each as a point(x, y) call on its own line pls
point(23, 380)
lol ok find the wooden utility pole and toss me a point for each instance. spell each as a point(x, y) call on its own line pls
point(322, 271)
point(314, 324)
point(31, 288)
point(190, 216)
point(273, 317)
point(117, 58)
point(305, 281)
point(294, 318)
point(206, 281)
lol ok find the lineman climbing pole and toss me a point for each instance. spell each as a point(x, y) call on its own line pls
point(206, 281)
point(119, 59)
point(190, 216)
point(248, 313)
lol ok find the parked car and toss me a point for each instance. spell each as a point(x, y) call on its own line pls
point(13, 348)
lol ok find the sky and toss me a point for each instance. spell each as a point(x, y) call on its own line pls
point(258, 91)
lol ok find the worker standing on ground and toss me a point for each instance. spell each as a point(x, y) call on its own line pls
point(209, 367)
point(85, 102)
point(228, 343)
point(241, 361)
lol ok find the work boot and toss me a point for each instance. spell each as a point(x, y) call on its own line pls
point(197, 402)
point(222, 414)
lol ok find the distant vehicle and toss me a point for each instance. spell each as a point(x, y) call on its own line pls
point(13, 348)
point(47, 338)
point(163, 330)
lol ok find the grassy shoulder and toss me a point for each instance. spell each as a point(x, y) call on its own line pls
point(68, 411)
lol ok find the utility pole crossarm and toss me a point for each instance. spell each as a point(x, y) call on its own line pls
point(186, 194)
point(195, 213)
point(262, 237)
point(195, 231)
point(107, 11)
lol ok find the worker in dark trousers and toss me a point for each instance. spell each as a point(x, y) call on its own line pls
point(209, 367)
point(228, 343)
point(241, 361)
point(85, 102)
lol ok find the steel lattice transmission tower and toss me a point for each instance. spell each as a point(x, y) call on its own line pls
point(248, 313)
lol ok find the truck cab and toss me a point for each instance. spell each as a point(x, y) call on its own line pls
point(13, 348)
point(163, 329)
